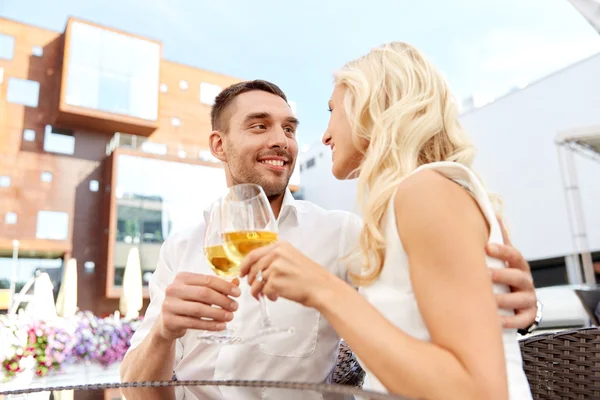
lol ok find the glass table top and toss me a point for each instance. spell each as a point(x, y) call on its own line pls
point(196, 390)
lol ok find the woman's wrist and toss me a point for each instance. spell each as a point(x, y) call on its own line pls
point(330, 291)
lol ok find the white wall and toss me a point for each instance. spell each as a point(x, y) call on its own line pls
point(518, 159)
point(319, 184)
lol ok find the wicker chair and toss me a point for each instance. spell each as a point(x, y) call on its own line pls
point(347, 370)
point(563, 365)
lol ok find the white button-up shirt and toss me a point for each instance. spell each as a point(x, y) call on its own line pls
point(310, 354)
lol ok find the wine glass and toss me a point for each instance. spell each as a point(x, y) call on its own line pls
point(247, 223)
point(222, 266)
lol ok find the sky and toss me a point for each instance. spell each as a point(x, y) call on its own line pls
point(484, 47)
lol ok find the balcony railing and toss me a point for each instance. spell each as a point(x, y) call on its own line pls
point(140, 143)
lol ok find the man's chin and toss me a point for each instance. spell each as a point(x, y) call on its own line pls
point(274, 189)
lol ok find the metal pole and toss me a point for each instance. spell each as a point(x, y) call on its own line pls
point(13, 275)
point(575, 214)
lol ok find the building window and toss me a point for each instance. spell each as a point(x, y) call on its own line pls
point(7, 46)
point(23, 91)
point(94, 185)
point(164, 88)
point(183, 85)
point(175, 121)
point(181, 154)
point(59, 141)
point(113, 72)
point(46, 176)
point(37, 51)
point(1, 75)
point(10, 218)
point(310, 163)
point(208, 92)
point(4, 181)
point(29, 135)
point(52, 225)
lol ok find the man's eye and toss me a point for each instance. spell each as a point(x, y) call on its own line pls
point(260, 126)
point(289, 129)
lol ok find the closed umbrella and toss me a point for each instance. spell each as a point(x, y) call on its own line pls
point(66, 302)
point(41, 306)
point(132, 297)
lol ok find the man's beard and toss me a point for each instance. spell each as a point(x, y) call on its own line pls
point(272, 190)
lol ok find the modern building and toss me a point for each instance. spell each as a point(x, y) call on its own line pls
point(532, 151)
point(103, 146)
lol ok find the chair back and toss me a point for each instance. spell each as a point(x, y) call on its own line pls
point(563, 365)
point(589, 299)
point(347, 370)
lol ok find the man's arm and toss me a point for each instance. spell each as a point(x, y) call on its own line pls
point(140, 363)
point(152, 360)
point(186, 303)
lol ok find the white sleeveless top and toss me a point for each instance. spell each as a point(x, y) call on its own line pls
point(392, 293)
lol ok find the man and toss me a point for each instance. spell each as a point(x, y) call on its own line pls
point(254, 135)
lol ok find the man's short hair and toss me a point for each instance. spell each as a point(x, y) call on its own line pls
point(228, 95)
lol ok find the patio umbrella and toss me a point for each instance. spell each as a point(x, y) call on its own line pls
point(41, 306)
point(66, 302)
point(132, 298)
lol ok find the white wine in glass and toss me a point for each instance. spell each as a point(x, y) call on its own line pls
point(239, 244)
point(247, 223)
point(222, 265)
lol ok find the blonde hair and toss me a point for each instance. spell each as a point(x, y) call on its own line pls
point(402, 115)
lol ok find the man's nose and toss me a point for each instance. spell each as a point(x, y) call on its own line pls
point(279, 138)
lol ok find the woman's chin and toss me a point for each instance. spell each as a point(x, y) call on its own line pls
point(342, 175)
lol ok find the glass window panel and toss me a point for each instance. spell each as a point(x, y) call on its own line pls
point(94, 185)
point(154, 148)
point(26, 269)
point(208, 92)
point(153, 204)
point(114, 93)
point(37, 51)
point(10, 218)
point(84, 45)
point(58, 143)
point(145, 59)
point(7, 46)
point(29, 135)
point(23, 91)
point(143, 102)
point(46, 176)
point(53, 225)
point(116, 53)
point(82, 87)
point(4, 181)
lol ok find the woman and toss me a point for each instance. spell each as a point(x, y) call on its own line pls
point(425, 324)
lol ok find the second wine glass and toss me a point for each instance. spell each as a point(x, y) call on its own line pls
point(221, 265)
point(247, 223)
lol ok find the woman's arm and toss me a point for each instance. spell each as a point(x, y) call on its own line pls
point(444, 235)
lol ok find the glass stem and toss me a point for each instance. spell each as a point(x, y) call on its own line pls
point(265, 319)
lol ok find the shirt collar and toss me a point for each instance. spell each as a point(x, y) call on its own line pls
point(289, 206)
